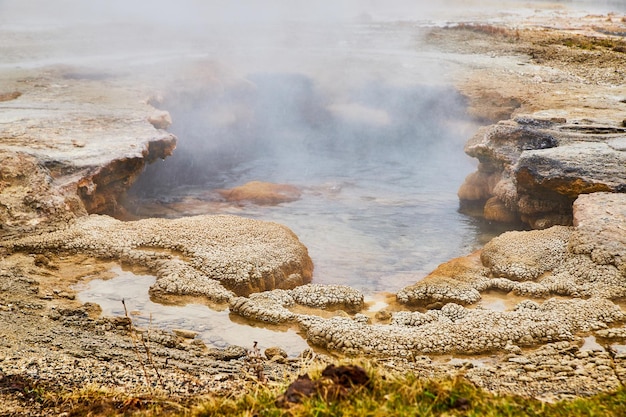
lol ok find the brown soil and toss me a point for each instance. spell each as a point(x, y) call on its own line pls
point(575, 69)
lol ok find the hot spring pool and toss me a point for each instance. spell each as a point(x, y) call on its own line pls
point(374, 146)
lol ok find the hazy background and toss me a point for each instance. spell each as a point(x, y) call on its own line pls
point(96, 29)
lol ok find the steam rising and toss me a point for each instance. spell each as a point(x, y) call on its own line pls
point(282, 127)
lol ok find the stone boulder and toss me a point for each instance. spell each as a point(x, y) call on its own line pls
point(261, 193)
point(532, 169)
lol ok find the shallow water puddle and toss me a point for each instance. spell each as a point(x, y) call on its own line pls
point(619, 348)
point(590, 344)
point(501, 301)
point(215, 328)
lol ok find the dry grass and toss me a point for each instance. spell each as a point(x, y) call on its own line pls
point(387, 395)
point(486, 29)
point(592, 44)
point(410, 396)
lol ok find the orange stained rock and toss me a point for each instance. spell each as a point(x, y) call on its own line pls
point(262, 193)
point(458, 267)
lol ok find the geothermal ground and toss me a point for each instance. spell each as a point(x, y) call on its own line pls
point(549, 90)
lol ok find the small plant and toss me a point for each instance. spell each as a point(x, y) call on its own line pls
point(255, 360)
point(140, 339)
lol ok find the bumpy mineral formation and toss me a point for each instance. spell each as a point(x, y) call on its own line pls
point(536, 264)
point(259, 268)
point(240, 254)
point(456, 329)
point(583, 261)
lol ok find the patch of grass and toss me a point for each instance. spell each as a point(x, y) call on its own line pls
point(589, 43)
point(407, 395)
point(94, 401)
point(434, 398)
point(387, 395)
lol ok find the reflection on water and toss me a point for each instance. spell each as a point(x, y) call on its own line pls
point(215, 328)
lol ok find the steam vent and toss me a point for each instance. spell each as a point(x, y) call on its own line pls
point(440, 191)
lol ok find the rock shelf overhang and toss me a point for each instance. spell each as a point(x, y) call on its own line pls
point(533, 169)
point(71, 145)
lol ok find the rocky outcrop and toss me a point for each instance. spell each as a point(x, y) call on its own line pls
point(101, 187)
point(28, 198)
point(566, 136)
point(71, 145)
point(533, 169)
